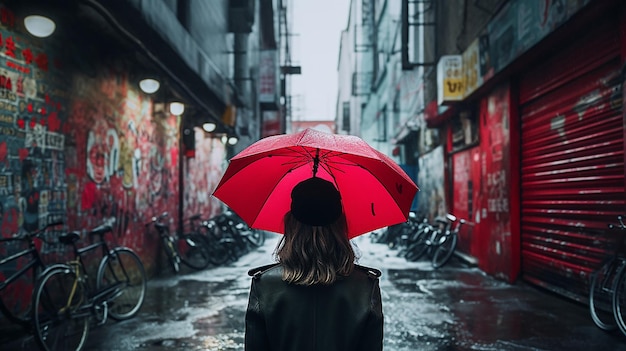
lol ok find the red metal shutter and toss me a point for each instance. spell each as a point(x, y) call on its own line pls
point(572, 161)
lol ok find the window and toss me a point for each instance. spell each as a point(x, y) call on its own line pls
point(345, 123)
point(381, 121)
point(464, 130)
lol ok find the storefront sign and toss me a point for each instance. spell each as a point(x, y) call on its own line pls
point(267, 76)
point(472, 77)
point(450, 79)
point(521, 24)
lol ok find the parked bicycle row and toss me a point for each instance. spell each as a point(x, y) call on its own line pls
point(216, 241)
point(99, 280)
point(416, 239)
point(68, 298)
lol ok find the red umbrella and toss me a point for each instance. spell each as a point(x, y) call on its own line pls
point(375, 191)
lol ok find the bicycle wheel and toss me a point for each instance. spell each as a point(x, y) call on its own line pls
point(60, 319)
point(421, 245)
point(417, 248)
point(172, 256)
point(601, 297)
point(619, 298)
point(123, 265)
point(20, 313)
point(256, 237)
point(218, 251)
point(193, 251)
point(444, 249)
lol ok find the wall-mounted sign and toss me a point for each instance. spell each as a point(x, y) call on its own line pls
point(268, 82)
point(472, 77)
point(450, 79)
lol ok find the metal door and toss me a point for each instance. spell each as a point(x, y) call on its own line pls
point(572, 161)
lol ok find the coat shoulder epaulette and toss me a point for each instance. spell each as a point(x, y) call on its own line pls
point(258, 271)
point(373, 272)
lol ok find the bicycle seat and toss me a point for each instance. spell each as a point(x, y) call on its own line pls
point(101, 229)
point(195, 217)
point(442, 220)
point(69, 238)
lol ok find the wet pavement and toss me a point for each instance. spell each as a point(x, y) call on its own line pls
point(454, 308)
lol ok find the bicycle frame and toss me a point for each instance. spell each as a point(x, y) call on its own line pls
point(95, 296)
point(34, 262)
point(167, 240)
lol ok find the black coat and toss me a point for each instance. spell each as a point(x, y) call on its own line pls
point(346, 315)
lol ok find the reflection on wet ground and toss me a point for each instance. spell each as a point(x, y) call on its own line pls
point(451, 309)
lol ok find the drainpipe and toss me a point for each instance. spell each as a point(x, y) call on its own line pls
point(241, 62)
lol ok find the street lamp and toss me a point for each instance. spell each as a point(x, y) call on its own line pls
point(177, 108)
point(209, 127)
point(39, 26)
point(232, 140)
point(149, 85)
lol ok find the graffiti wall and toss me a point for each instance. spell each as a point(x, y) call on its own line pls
point(122, 157)
point(80, 143)
point(203, 174)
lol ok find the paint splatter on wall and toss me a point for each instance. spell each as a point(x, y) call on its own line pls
point(79, 143)
point(203, 174)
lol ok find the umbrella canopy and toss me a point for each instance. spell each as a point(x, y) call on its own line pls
point(375, 191)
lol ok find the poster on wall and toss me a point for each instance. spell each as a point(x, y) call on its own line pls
point(203, 175)
point(431, 197)
point(494, 241)
point(33, 188)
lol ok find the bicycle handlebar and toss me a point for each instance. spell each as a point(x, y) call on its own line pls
point(36, 233)
point(29, 236)
point(158, 218)
point(621, 225)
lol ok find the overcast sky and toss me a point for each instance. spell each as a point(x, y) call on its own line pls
point(317, 25)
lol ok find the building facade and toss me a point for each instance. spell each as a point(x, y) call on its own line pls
point(520, 130)
point(82, 142)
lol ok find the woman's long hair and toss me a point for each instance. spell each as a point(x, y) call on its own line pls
point(315, 254)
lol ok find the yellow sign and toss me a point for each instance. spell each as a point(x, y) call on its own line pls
point(450, 79)
point(471, 68)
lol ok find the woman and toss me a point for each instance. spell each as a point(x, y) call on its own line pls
point(315, 297)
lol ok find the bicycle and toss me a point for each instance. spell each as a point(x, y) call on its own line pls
point(236, 236)
point(216, 247)
point(21, 313)
point(425, 239)
point(407, 234)
point(254, 238)
point(446, 243)
point(607, 298)
point(416, 243)
point(189, 249)
point(439, 242)
point(65, 300)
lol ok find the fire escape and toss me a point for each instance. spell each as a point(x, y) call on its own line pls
point(364, 44)
point(290, 107)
